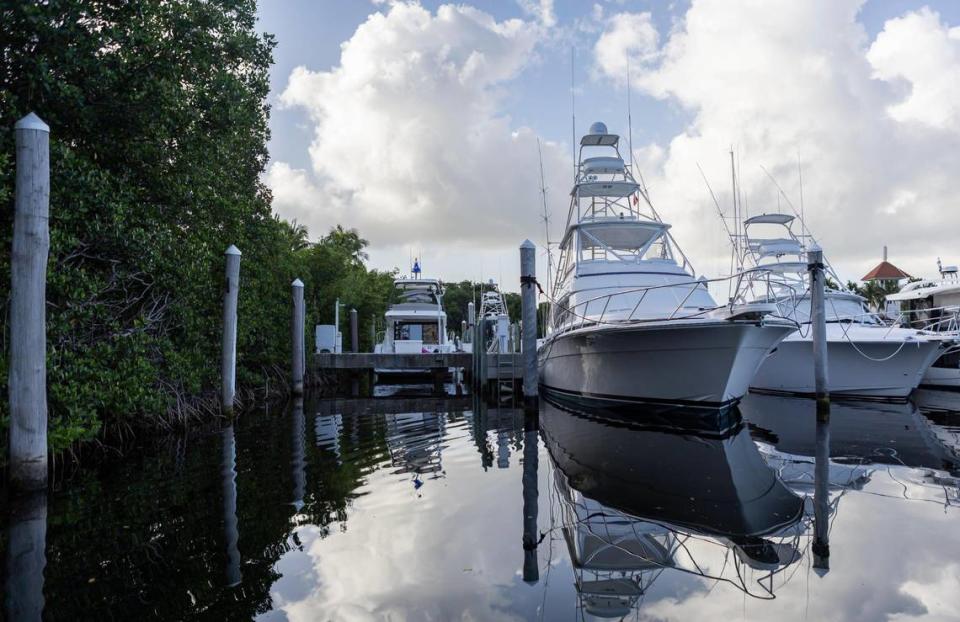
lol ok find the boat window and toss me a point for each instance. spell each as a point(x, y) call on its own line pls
point(419, 295)
point(837, 310)
point(415, 331)
point(611, 241)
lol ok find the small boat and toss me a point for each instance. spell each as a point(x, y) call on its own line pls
point(630, 321)
point(866, 358)
point(933, 305)
point(415, 324)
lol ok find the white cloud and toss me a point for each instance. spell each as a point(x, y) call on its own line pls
point(541, 9)
point(782, 79)
point(411, 145)
point(919, 49)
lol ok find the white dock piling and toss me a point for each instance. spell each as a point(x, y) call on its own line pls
point(228, 357)
point(819, 327)
point(528, 314)
point(297, 352)
point(28, 302)
point(471, 314)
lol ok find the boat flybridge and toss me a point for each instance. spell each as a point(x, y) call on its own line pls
point(933, 305)
point(416, 323)
point(496, 316)
point(630, 321)
point(866, 358)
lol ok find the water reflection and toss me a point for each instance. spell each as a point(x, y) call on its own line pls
point(637, 500)
point(26, 557)
point(594, 515)
point(298, 461)
point(231, 532)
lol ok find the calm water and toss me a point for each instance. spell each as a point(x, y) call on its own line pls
point(417, 508)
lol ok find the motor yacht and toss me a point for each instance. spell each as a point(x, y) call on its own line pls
point(933, 305)
point(630, 321)
point(866, 357)
point(415, 324)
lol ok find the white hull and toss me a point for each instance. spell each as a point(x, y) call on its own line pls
point(789, 369)
point(697, 363)
point(945, 378)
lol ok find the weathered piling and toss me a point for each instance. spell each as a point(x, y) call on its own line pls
point(463, 330)
point(821, 499)
point(818, 321)
point(27, 379)
point(528, 314)
point(373, 333)
point(354, 331)
point(297, 354)
point(228, 356)
point(471, 314)
point(531, 569)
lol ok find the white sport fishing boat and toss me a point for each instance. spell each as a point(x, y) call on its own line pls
point(933, 305)
point(415, 324)
point(629, 319)
point(866, 358)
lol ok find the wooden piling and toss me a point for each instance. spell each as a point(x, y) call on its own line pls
point(354, 331)
point(528, 339)
point(27, 379)
point(298, 362)
point(818, 323)
point(228, 357)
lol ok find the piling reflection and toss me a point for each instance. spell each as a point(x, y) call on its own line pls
point(821, 496)
point(637, 498)
point(26, 557)
point(298, 460)
point(231, 532)
point(531, 464)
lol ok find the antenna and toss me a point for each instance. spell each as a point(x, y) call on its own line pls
point(546, 216)
point(726, 227)
point(573, 112)
point(736, 219)
point(803, 220)
point(629, 117)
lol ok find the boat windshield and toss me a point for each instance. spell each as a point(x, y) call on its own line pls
point(620, 240)
point(415, 331)
point(838, 309)
point(418, 295)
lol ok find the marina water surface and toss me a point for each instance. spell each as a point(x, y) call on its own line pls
point(440, 508)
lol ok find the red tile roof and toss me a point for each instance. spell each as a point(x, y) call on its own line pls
point(885, 271)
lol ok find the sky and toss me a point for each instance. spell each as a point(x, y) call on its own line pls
point(418, 123)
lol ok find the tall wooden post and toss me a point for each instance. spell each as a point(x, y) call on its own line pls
point(528, 306)
point(297, 357)
point(354, 332)
point(228, 357)
point(818, 321)
point(28, 306)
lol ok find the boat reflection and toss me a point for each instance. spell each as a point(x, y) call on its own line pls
point(635, 501)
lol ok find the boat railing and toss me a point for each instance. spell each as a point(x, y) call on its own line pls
point(936, 319)
point(581, 316)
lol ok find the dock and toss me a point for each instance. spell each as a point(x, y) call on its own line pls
point(501, 368)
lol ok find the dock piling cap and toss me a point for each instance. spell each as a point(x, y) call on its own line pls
point(297, 283)
point(32, 122)
point(527, 244)
point(232, 250)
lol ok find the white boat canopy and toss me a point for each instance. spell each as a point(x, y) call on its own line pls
point(781, 267)
point(775, 248)
point(771, 219)
point(619, 189)
point(599, 140)
point(924, 291)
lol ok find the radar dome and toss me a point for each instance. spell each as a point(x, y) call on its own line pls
point(598, 128)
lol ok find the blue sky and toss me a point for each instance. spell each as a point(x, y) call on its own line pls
point(672, 119)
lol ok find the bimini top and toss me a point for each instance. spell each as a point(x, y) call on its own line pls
point(602, 165)
point(924, 289)
point(770, 219)
point(598, 137)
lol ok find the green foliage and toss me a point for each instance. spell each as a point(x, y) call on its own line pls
point(158, 122)
point(874, 291)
